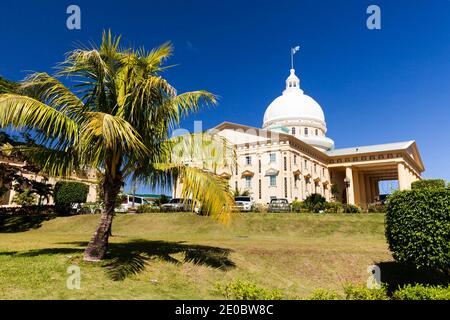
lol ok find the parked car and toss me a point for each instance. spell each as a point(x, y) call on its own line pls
point(128, 203)
point(177, 204)
point(243, 203)
point(279, 205)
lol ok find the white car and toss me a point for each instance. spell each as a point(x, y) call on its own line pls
point(243, 203)
point(128, 203)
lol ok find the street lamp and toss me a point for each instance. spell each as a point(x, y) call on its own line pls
point(347, 182)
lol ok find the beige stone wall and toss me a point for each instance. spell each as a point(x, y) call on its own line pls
point(89, 178)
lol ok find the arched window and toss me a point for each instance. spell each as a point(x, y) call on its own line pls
point(306, 131)
point(317, 132)
point(293, 130)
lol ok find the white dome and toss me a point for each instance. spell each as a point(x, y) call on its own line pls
point(293, 104)
point(299, 115)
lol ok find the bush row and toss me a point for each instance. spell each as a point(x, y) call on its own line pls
point(247, 290)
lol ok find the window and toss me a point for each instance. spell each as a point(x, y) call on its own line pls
point(273, 181)
point(236, 185)
point(248, 182)
point(295, 181)
point(285, 163)
point(315, 168)
point(293, 130)
point(285, 188)
point(259, 189)
point(273, 157)
point(295, 159)
point(306, 164)
point(306, 131)
point(317, 132)
point(259, 165)
point(248, 160)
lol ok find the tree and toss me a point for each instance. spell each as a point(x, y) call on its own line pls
point(7, 86)
point(14, 176)
point(68, 193)
point(238, 193)
point(116, 118)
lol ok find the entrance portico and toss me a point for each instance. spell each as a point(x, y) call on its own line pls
point(357, 173)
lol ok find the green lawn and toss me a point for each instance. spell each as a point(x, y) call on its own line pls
point(183, 256)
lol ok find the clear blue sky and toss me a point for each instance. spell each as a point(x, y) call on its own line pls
point(375, 86)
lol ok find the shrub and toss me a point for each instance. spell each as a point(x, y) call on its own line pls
point(70, 192)
point(324, 294)
point(376, 208)
point(25, 198)
point(333, 207)
point(297, 206)
point(421, 292)
point(259, 208)
point(245, 290)
point(91, 208)
point(418, 227)
point(147, 208)
point(364, 293)
point(350, 208)
point(428, 183)
point(315, 202)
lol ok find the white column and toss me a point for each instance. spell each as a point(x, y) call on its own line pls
point(402, 177)
point(350, 189)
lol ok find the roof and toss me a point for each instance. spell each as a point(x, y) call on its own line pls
point(372, 148)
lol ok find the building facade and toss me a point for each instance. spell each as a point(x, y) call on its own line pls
point(291, 156)
point(89, 178)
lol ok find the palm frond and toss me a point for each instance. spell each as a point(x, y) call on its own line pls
point(52, 92)
point(26, 113)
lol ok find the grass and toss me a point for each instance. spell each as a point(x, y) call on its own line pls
point(184, 256)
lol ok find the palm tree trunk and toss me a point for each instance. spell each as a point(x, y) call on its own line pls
point(97, 247)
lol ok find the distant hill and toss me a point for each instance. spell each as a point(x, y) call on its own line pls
point(7, 86)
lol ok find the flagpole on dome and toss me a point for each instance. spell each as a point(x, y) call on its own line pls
point(293, 51)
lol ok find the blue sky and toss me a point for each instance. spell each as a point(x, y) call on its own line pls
point(375, 86)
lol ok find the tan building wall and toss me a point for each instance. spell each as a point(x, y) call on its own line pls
point(90, 179)
point(300, 169)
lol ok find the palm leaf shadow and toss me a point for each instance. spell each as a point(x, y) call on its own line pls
point(132, 257)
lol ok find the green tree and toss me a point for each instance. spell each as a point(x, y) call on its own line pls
point(68, 193)
point(117, 119)
point(7, 86)
point(238, 192)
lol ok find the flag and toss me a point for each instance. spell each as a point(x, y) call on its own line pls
point(295, 49)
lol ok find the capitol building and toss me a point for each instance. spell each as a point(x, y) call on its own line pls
point(291, 156)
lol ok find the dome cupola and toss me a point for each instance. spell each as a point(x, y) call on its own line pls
point(299, 112)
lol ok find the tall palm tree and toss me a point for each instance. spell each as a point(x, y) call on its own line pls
point(117, 118)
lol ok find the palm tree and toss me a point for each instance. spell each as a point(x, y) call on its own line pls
point(116, 118)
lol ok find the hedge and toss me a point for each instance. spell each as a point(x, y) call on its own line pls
point(69, 192)
point(428, 183)
point(422, 292)
point(418, 227)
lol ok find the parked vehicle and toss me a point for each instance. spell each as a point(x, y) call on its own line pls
point(128, 202)
point(243, 203)
point(177, 204)
point(279, 205)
